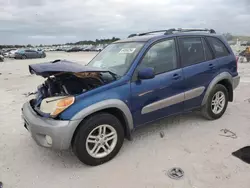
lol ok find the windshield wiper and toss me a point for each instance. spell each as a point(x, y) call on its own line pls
point(115, 76)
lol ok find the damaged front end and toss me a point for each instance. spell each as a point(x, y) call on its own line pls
point(64, 81)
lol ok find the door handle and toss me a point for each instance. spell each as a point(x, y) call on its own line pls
point(176, 76)
point(211, 66)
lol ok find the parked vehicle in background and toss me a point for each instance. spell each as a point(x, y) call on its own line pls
point(29, 54)
point(88, 48)
point(9, 53)
point(130, 83)
point(59, 49)
point(74, 49)
point(1, 58)
point(98, 48)
point(247, 53)
point(245, 43)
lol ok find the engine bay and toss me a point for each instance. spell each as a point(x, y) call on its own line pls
point(64, 80)
point(66, 84)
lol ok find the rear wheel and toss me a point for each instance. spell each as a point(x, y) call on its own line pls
point(99, 139)
point(217, 103)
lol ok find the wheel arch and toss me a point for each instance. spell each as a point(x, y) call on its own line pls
point(113, 106)
point(223, 78)
point(229, 88)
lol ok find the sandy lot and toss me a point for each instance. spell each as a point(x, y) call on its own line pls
point(190, 142)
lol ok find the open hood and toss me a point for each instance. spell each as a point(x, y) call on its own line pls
point(61, 66)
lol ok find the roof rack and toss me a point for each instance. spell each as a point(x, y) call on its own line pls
point(171, 31)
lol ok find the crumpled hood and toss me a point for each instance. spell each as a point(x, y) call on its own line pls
point(61, 66)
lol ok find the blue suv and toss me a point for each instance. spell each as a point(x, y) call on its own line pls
point(135, 81)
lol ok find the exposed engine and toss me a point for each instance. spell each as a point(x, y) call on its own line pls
point(64, 80)
point(71, 84)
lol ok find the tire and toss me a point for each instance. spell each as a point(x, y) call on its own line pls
point(91, 126)
point(207, 111)
point(23, 57)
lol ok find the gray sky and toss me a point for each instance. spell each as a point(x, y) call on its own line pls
point(60, 21)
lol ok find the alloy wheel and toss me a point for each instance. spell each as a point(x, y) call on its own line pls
point(218, 102)
point(101, 141)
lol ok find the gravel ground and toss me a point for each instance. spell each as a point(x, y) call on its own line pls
point(189, 142)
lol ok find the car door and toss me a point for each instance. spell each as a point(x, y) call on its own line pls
point(225, 59)
point(199, 68)
point(28, 53)
point(34, 54)
point(162, 95)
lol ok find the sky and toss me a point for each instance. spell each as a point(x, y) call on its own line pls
point(61, 21)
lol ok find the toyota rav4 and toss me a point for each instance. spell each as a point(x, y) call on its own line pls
point(135, 81)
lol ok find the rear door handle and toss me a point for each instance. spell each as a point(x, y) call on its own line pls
point(176, 76)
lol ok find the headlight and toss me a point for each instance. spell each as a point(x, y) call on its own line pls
point(62, 105)
point(55, 105)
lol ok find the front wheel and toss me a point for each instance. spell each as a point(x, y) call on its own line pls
point(216, 104)
point(99, 139)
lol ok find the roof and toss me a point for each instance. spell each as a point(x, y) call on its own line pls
point(160, 35)
point(137, 39)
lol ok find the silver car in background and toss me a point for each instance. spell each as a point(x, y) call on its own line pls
point(29, 54)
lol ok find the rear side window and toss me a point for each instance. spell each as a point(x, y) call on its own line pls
point(191, 51)
point(208, 53)
point(218, 47)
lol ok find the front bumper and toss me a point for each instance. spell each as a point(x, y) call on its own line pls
point(236, 81)
point(61, 132)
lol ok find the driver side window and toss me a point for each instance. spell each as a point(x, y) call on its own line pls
point(161, 56)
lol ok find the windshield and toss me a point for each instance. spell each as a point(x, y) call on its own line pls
point(117, 57)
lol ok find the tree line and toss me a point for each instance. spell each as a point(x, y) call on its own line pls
point(96, 42)
point(84, 42)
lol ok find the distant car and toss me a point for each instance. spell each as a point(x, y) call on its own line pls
point(58, 49)
point(1, 58)
point(88, 48)
point(74, 49)
point(99, 49)
point(29, 54)
point(245, 43)
point(12, 53)
point(9, 53)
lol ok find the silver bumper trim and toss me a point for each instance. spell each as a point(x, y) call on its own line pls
point(236, 81)
point(60, 131)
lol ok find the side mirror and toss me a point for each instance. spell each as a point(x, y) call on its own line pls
point(146, 73)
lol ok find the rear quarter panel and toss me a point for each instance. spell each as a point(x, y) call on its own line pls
point(228, 63)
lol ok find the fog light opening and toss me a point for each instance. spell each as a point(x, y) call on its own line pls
point(48, 139)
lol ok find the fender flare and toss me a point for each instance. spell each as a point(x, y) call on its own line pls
point(218, 78)
point(110, 103)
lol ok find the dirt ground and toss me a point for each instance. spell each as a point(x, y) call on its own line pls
point(189, 142)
